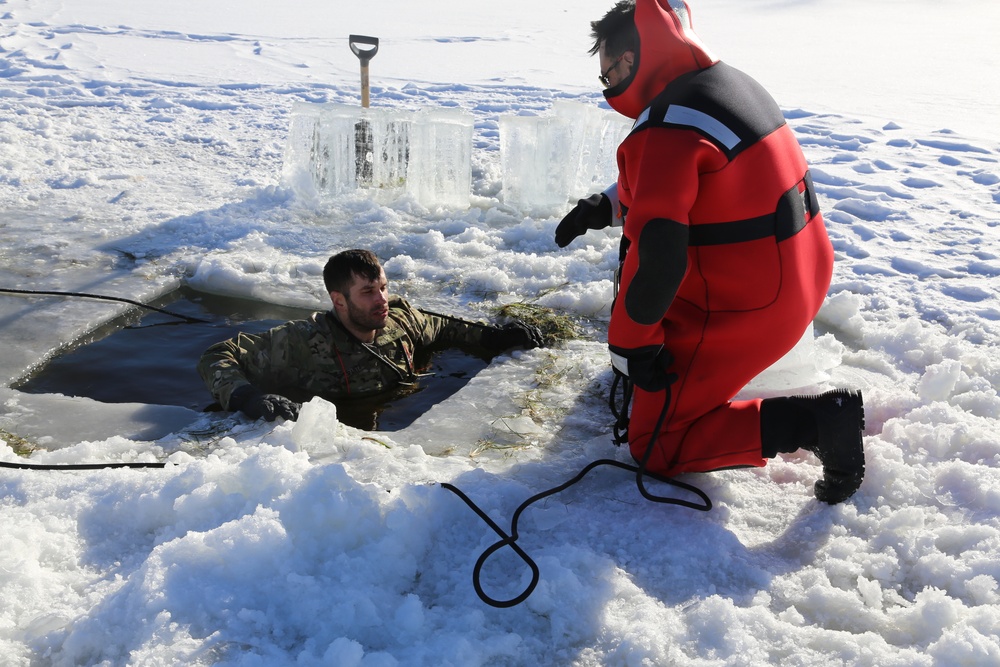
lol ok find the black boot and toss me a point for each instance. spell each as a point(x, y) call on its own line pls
point(830, 425)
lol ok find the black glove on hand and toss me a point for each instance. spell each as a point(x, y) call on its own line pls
point(256, 404)
point(594, 212)
point(646, 367)
point(515, 334)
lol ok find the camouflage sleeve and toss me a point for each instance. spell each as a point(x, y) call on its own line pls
point(440, 331)
point(261, 360)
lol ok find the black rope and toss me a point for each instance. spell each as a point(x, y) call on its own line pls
point(620, 415)
point(506, 540)
point(510, 540)
point(104, 297)
point(77, 466)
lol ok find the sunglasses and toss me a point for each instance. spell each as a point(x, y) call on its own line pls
point(603, 77)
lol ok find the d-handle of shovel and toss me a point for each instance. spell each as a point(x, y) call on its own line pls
point(364, 55)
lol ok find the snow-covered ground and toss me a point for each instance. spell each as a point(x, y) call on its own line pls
point(142, 146)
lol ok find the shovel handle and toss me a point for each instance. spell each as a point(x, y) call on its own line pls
point(363, 54)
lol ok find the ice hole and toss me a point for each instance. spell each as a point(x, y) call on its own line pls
point(151, 357)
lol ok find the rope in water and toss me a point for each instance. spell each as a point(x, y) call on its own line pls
point(103, 297)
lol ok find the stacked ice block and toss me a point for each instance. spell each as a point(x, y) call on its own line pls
point(546, 160)
point(549, 160)
point(334, 149)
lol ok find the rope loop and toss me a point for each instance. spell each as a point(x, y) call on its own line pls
point(510, 540)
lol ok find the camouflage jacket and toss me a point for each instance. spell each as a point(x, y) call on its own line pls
point(317, 356)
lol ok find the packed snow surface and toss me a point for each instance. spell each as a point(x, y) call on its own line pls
point(143, 146)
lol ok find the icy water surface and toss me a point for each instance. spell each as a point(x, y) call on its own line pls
point(151, 357)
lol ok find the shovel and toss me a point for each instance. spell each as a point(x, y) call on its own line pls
point(365, 56)
point(363, 140)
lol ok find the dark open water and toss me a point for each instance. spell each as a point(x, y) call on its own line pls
point(150, 357)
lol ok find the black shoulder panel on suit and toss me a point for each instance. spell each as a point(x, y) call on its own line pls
point(721, 103)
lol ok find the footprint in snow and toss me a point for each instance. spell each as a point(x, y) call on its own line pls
point(982, 177)
point(971, 293)
point(920, 269)
point(920, 183)
point(865, 210)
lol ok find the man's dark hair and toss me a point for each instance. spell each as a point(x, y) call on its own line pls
point(616, 29)
point(339, 272)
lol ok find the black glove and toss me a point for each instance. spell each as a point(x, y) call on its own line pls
point(256, 404)
point(594, 212)
point(515, 334)
point(646, 367)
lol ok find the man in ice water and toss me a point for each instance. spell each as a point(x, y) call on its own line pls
point(366, 345)
point(725, 259)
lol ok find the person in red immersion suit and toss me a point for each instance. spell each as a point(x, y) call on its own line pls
point(725, 257)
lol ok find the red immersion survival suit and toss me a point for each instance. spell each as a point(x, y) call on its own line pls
point(727, 258)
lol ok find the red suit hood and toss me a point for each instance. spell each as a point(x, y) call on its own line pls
point(668, 48)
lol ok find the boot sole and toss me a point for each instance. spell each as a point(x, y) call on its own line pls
point(839, 484)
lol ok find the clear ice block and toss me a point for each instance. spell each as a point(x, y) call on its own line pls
point(441, 158)
point(334, 149)
point(534, 152)
point(549, 161)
